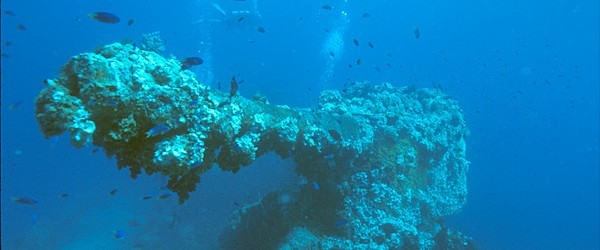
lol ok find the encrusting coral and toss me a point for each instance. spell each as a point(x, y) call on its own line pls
point(383, 164)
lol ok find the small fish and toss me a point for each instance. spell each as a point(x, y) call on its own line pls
point(26, 200)
point(157, 130)
point(146, 197)
point(335, 135)
point(21, 27)
point(104, 17)
point(316, 186)
point(7, 43)
point(371, 45)
point(331, 54)
point(234, 87)
point(261, 29)
point(95, 150)
point(113, 192)
point(377, 68)
point(237, 204)
point(133, 223)
point(355, 41)
point(15, 105)
point(366, 15)
point(130, 22)
point(112, 103)
point(326, 6)
point(9, 13)
point(195, 164)
point(329, 156)
point(219, 9)
point(164, 196)
point(63, 196)
point(358, 62)
point(240, 19)
point(187, 63)
point(119, 235)
point(417, 33)
point(340, 223)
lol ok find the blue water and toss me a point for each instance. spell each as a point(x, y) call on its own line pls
point(526, 74)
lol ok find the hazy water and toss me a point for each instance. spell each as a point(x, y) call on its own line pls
point(525, 73)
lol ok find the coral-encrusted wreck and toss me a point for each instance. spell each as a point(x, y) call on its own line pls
point(390, 162)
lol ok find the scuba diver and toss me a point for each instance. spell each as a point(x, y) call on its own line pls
point(234, 14)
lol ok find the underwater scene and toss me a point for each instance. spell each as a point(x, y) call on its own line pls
point(264, 124)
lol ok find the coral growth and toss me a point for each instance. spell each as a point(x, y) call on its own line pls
point(383, 165)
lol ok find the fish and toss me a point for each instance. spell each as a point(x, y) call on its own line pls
point(329, 156)
point(113, 192)
point(371, 45)
point(26, 200)
point(195, 164)
point(219, 9)
point(63, 196)
point(9, 13)
point(377, 68)
point(355, 41)
point(335, 135)
point(340, 223)
point(366, 15)
point(157, 130)
point(7, 43)
point(316, 186)
point(234, 87)
point(261, 29)
point(164, 196)
point(21, 27)
point(358, 61)
point(417, 33)
point(146, 197)
point(95, 150)
point(133, 223)
point(119, 235)
point(130, 22)
point(15, 105)
point(104, 17)
point(189, 62)
point(326, 6)
point(331, 54)
point(240, 19)
point(4, 55)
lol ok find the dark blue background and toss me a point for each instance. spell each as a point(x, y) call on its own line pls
point(526, 74)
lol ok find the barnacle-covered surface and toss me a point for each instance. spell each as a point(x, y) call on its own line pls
point(383, 165)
